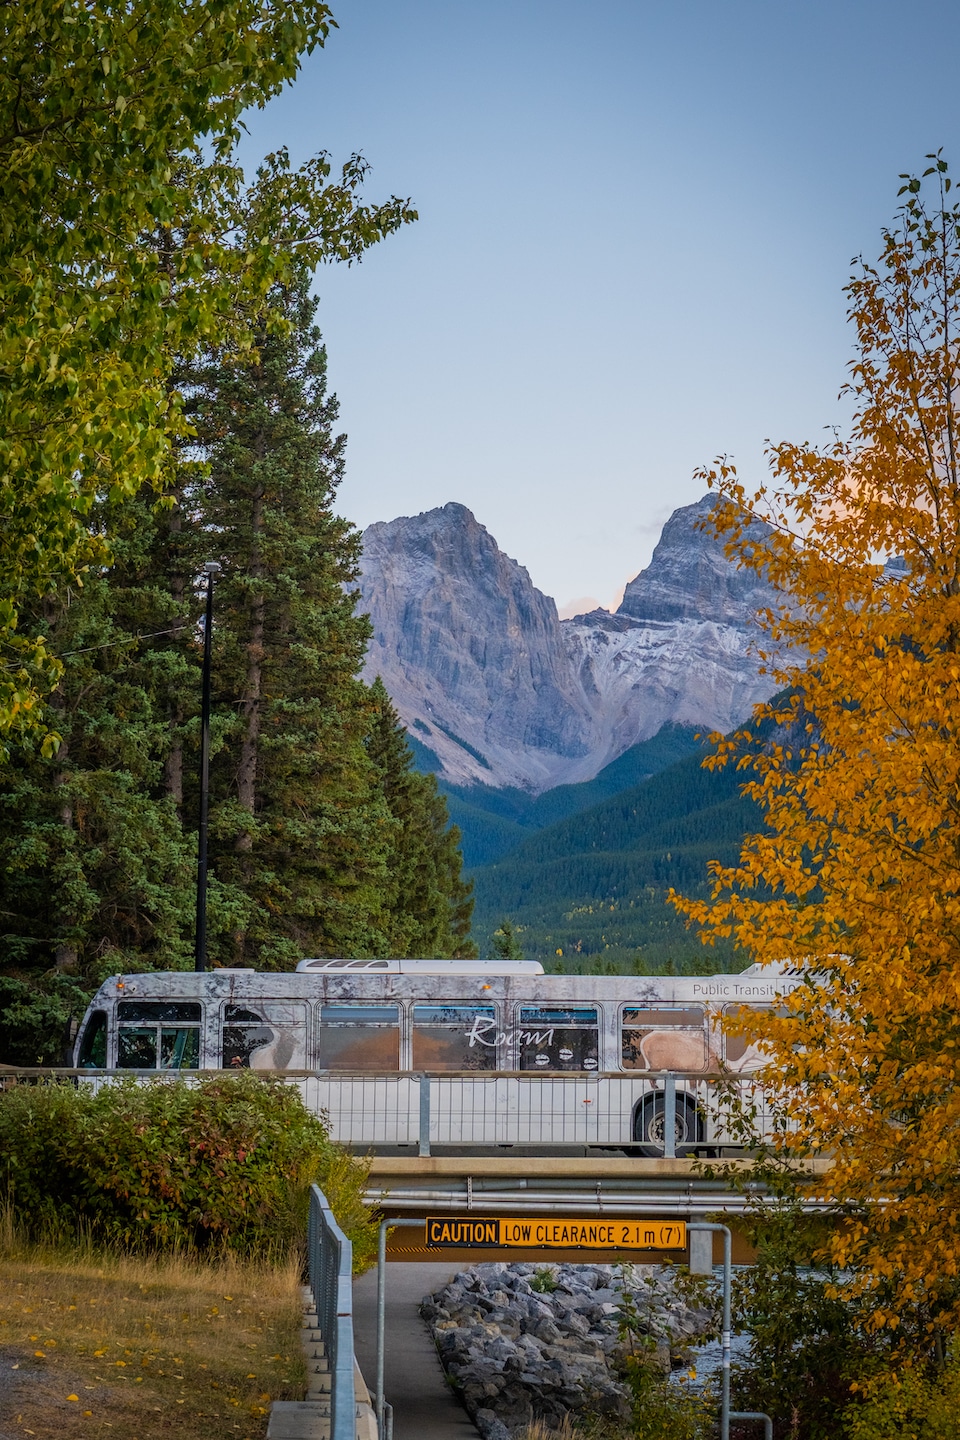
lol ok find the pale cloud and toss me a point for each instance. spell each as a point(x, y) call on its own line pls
point(583, 604)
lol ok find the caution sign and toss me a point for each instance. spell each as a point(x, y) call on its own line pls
point(460, 1232)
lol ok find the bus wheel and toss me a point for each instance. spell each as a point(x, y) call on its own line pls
point(648, 1121)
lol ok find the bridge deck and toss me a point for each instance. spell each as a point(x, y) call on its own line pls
point(517, 1185)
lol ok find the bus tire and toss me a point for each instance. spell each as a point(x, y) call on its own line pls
point(648, 1125)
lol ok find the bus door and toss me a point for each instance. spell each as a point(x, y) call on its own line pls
point(92, 1049)
point(158, 1035)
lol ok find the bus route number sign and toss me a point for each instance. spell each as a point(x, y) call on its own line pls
point(470, 1232)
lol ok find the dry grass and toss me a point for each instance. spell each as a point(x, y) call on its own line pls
point(94, 1347)
point(540, 1431)
point(596, 1428)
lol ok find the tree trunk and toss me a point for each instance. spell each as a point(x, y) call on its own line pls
point(250, 706)
point(65, 955)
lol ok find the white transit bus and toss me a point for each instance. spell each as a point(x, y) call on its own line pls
point(508, 1054)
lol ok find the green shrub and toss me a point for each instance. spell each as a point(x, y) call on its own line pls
point(544, 1280)
point(659, 1409)
point(223, 1163)
point(912, 1402)
point(808, 1339)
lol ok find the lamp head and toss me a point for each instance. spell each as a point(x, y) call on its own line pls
point(212, 568)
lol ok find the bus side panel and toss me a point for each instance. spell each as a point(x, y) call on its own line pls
point(365, 1109)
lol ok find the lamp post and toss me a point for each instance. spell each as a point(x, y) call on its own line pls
point(200, 946)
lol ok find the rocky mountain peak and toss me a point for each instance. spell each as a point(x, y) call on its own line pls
point(470, 650)
point(484, 673)
point(690, 577)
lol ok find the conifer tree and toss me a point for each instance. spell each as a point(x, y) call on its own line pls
point(505, 943)
point(95, 870)
point(323, 840)
point(299, 829)
point(429, 904)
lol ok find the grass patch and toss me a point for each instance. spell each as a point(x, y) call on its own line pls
point(94, 1346)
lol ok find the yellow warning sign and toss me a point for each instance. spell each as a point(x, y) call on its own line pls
point(474, 1233)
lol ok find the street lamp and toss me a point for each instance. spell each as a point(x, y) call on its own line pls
point(200, 947)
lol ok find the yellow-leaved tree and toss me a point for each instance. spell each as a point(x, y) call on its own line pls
point(857, 770)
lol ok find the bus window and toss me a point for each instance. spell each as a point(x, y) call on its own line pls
point(557, 1039)
point(93, 1046)
point(663, 1037)
point(455, 1037)
point(359, 1037)
point(157, 1035)
point(264, 1035)
point(738, 1050)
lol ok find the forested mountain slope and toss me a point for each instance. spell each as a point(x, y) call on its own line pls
point(492, 822)
point(590, 890)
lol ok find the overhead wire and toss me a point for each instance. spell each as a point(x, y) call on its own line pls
point(111, 644)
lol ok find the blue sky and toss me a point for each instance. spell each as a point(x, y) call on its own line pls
point(636, 222)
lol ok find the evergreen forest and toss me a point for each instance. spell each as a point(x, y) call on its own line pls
point(588, 891)
point(324, 838)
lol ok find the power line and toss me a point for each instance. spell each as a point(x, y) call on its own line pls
point(112, 644)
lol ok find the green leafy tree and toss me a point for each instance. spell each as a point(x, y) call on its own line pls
point(428, 903)
point(106, 107)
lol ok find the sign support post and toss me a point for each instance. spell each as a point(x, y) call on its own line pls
point(554, 1232)
point(726, 1414)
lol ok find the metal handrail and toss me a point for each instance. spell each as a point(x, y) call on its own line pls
point(715, 1075)
point(330, 1265)
point(371, 1106)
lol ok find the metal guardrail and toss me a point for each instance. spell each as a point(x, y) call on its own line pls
point(330, 1265)
point(664, 1111)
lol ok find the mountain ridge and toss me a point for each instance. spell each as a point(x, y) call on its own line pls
point(505, 694)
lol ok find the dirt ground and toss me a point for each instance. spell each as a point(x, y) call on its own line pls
point(141, 1350)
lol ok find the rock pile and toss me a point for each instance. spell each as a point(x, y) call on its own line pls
point(523, 1343)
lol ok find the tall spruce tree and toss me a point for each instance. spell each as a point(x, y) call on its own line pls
point(429, 905)
point(299, 829)
point(323, 839)
point(95, 870)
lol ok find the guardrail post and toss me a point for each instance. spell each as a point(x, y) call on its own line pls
point(724, 1230)
point(726, 1414)
point(755, 1415)
point(424, 1146)
point(670, 1116)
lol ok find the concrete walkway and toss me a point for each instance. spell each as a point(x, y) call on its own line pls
point(424, 1407)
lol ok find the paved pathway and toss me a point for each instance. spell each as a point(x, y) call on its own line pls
point(424, 1407)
